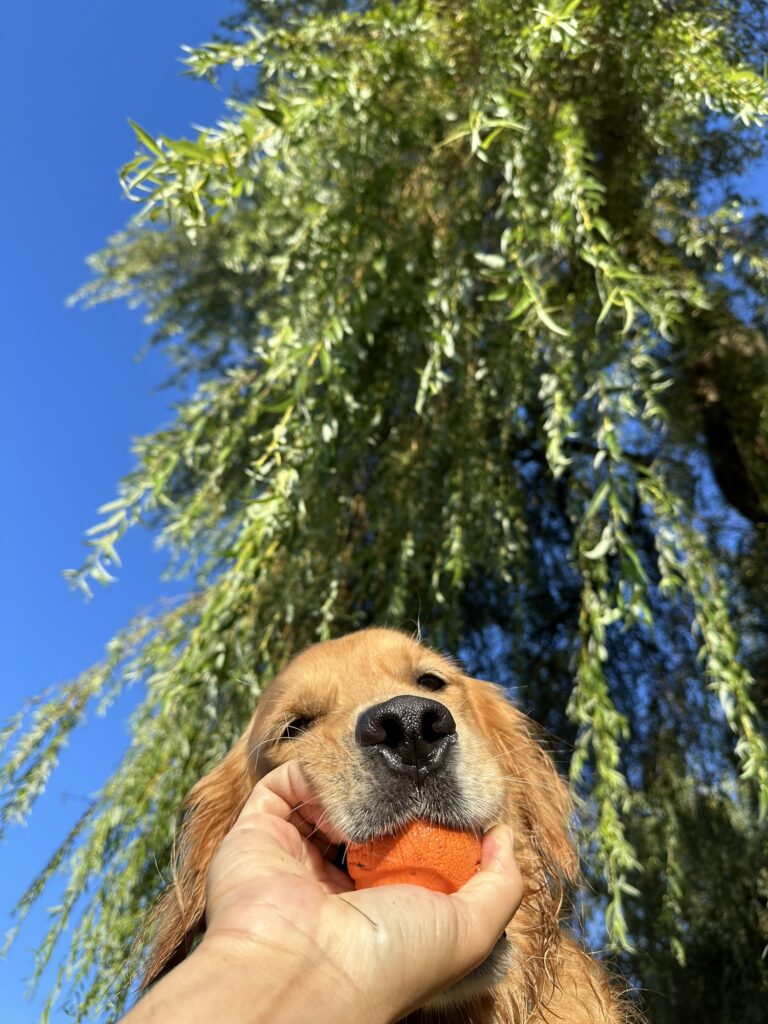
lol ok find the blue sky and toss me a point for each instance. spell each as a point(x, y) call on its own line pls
point(71, 393)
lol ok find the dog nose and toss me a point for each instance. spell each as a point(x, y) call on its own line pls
point(410, 732)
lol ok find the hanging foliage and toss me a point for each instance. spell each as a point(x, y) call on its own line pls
point(469, 313)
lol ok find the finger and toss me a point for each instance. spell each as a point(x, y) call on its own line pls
point(279, 793)
point(287, 793)
point(271, 832)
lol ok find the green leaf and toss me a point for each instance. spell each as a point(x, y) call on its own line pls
point(547, 320)
point(603, 545)
point(492, 260)
point(146, 139)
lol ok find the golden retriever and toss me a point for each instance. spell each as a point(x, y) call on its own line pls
point(389, 731)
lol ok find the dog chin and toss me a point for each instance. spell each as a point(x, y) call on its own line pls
point(381, 817)
point(478, 982)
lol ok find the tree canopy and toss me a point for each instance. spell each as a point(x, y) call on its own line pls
point(469, 311)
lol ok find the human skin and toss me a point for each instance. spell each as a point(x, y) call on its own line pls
point(288, 939)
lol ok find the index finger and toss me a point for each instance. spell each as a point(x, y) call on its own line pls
point(287, 793)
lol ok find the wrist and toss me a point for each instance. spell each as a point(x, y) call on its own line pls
point(241, 979)
point(281, 979)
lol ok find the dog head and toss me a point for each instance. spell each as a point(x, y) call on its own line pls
point(387, 731)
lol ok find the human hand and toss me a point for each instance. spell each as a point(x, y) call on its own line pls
point(388, 949)
point(288, 939)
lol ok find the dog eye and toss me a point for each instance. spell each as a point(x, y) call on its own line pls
point(430, 681)
point(295, 728)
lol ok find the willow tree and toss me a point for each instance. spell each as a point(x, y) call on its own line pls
point(469, 315)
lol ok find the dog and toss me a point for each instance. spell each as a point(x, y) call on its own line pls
point(389, 731)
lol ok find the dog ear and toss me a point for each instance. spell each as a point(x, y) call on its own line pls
point(210, 810)
point(537, 790)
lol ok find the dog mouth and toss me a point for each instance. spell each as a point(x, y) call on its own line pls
point(390, 804)
point(387, 812)
point(386, 803)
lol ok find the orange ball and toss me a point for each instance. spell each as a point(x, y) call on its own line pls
point(425, 854)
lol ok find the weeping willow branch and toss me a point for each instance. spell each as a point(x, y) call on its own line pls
point(433, 287)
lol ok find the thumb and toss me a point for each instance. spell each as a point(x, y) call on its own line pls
point(490, 899)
